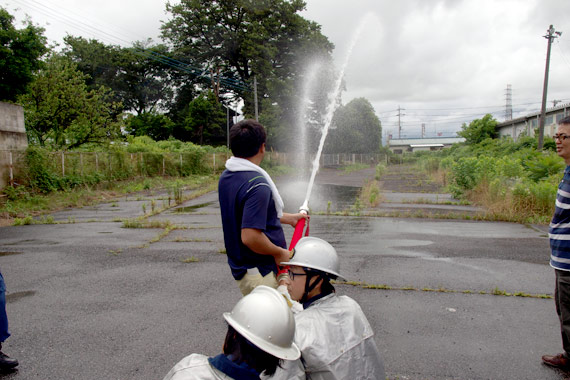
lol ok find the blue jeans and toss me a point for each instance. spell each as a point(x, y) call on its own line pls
point(4, 334)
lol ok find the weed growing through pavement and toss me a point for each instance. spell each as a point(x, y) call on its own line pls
point(28, 220)
point(191, 259)
point(496, 291)
point(185, 240)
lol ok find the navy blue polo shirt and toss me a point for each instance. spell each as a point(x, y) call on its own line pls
point(246, 201)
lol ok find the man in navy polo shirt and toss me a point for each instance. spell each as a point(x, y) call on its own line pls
point(559, 234)
point(252, 211)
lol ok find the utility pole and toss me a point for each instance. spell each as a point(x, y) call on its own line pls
point(551, 34)
point(255, 97)
point(399, 124)
point(228, 125)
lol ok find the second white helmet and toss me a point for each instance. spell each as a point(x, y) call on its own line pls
point(264, 318)
point(315, 253)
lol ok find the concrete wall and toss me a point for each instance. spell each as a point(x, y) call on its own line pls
point(12, 137)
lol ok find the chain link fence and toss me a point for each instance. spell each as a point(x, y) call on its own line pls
point(121, 165)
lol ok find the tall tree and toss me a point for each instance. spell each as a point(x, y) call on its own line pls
point(355, 129)
point(138, 76)
point(154, 125)
point(243, 39)
point(143, 82)
point(20, 53)
point(479, 130)
point(60, 110)
point(205, 119)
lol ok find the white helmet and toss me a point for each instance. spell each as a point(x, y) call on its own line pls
point(263, 318)
point(314, 253)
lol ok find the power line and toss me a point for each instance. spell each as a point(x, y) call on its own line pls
point(198, 72)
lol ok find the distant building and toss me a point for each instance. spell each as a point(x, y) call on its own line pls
point(399, 146)
point(528, 125)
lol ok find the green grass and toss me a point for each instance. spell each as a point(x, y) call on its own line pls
point(190, 259)
point(354, 168)
point(495, 291)
point(28, 204)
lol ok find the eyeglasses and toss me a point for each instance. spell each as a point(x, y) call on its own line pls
point(293, 274)
point(560, 136)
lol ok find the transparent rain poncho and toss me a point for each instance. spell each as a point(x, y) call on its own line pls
point(336, 342)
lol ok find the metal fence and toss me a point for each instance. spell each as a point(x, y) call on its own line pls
point(13, 164)
point(129, 165)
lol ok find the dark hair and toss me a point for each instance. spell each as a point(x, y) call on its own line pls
point(246, 137)
point(245, 351)
point(323, 277)
point(565, 120)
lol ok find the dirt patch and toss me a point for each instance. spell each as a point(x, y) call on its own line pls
point(405, 179)
point(342, 178)
point(405, 192)
point(397, 178)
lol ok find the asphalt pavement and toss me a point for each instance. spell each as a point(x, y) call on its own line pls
point(448, 299)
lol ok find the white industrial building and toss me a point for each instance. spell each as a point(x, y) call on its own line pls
point(528, 125)
point(399, 146)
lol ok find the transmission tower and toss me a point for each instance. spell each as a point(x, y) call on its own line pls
point(509, 105)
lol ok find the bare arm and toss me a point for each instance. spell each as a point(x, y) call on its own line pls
point(292, 219)
point(258, 242)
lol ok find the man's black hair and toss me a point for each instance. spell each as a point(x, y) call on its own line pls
point(245, 351)
point(565, 120)
point(246, 137)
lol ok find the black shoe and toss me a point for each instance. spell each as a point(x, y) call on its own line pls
point(7, 362)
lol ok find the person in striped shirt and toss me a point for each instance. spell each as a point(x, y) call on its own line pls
point(559, 234)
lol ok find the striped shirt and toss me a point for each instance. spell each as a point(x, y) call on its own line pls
point(559, 231)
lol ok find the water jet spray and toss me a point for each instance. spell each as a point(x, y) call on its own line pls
point(304, 209)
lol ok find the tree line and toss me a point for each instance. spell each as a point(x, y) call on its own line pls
point(87, 93)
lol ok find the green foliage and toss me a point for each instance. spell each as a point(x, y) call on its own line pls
point(465, 174)
point(429, 164)
point(14, 193)
point(380, 170)
point(20, 53)
point(479, 130)
point(510, 178)
point(537, 196)
point(153, 125)
point(38, 176)
point(357, 129)
point(243, 40)
point(179, 157)
point(205, 119)
point(354, 168)
point(138, 81)
point(44, 172)
point(544, 167)
point(62, 113)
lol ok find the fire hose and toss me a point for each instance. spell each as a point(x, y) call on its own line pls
point(297, 235)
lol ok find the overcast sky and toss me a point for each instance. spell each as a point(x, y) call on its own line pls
point(441, 62)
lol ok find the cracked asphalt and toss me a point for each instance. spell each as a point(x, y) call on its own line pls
point(90, 299)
